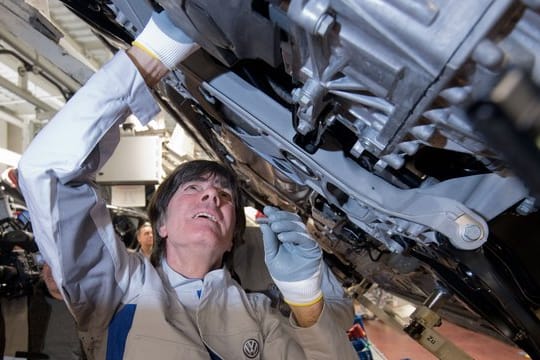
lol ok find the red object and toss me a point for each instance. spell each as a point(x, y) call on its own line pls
point(259, 215)
point(356, 332)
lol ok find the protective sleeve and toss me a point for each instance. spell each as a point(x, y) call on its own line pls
point(328, 339)
point(325, 340)
point(337, 303)
point(71, 223)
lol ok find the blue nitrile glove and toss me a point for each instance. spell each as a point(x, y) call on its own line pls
point(164, 41)
point(293, 258)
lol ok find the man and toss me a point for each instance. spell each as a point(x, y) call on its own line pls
point(145, 238)
point(34, 322)
point(181, 303)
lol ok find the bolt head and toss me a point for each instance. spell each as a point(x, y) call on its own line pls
point(472, 232)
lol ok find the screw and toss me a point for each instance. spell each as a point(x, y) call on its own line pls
point(471, 232)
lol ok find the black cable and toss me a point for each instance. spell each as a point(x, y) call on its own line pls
point(368, 246)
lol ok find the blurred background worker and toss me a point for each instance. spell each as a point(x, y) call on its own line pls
point(34, 322)
point(145, 238)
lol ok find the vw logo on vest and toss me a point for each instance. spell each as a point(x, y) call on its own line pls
point(251, 348)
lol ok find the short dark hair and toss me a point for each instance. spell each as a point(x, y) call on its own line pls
point(186, 172)
point(143, 223)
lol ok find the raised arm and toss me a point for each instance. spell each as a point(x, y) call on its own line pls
point(70, 221)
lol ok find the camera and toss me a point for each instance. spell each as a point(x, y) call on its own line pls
point(20, 261)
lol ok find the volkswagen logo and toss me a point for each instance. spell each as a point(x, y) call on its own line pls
point(251, 348)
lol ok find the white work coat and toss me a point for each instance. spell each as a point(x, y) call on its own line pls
point(123, 305)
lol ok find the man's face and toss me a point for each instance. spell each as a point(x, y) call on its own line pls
point(145, 236)
point(200, 218)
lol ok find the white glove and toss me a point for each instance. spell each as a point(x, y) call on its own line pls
point(164, 41)
point(293, 258)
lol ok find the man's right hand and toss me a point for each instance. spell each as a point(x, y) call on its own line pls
point(164, 41)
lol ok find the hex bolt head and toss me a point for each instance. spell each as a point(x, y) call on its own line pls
point(471, 232)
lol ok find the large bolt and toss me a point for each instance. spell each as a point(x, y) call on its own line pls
point(471, 232)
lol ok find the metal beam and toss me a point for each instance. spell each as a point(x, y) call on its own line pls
point(8, 117)
point(9, 158)
point(36, 48)
point(26, 95)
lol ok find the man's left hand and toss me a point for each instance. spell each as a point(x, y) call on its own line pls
point(293, 258)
